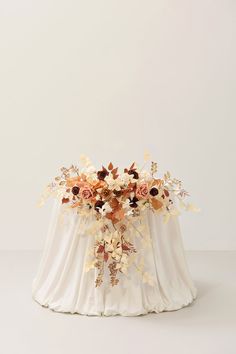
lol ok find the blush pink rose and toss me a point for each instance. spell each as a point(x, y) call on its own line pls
point(86, 192)
point(142, 191)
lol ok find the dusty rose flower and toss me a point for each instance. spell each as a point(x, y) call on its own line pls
point(86, 192)
point(142, 191)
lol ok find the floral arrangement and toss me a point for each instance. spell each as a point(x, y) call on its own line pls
point(115, 200)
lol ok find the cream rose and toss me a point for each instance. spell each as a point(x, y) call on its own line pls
point(142, 191)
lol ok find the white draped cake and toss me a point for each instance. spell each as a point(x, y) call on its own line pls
point(160, 281)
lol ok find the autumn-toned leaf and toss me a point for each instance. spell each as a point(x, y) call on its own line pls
point(131, 247)
point(156, 204)
point(65, 200)
point(110, 166)
point(104, 169)
point(106, 255)
point(120, 214)
point(99, 184)
point(83, 177)
point(114, 281)
point(75, 205)
point(114, 203)
point(98, 282)
point(166, 193)
point(167, 175)
point(100, 249)
point(157, 182)
point(132, 166)
point(111, 216)
point(153, 168)
point(70, 182)
point(125, 247)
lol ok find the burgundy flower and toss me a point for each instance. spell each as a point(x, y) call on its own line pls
point(117, 193)
point(133, 202)
point(134, 173)
point(102, 175)
point(98, 205)
point(75, 190)
point(154, 191)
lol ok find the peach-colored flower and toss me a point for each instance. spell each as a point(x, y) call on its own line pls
point(86, 192)
point(142, 191)
point(70, 182)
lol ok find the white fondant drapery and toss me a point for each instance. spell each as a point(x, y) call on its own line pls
point(63, 285)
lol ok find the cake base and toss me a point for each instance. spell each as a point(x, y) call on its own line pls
point(63, 284)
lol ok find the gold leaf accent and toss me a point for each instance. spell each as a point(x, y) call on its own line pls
point(153, 168)
point(147, 156)
point(156, 204)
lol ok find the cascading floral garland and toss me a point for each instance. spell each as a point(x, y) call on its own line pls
point(116, 200)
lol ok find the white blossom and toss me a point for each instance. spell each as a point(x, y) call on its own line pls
point(113, 183)
point(106, 208)
point(126, 178)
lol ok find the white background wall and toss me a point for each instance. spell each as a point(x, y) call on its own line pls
point(111, 79)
